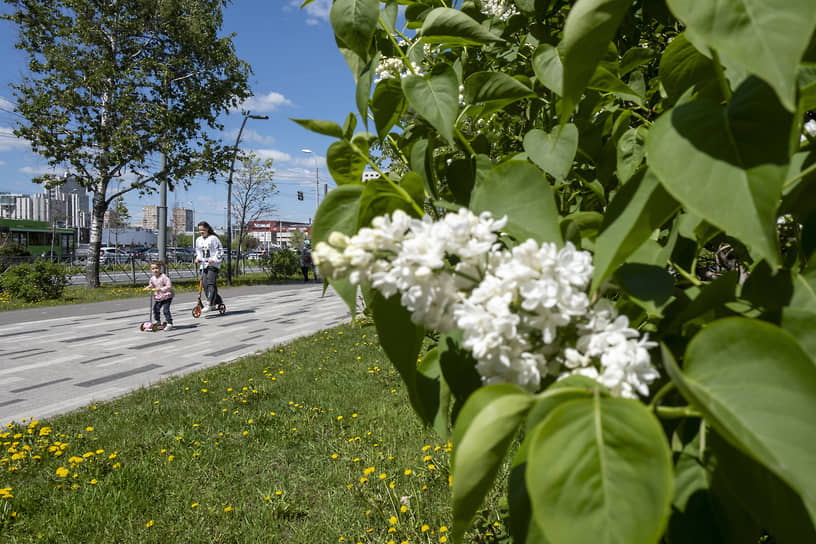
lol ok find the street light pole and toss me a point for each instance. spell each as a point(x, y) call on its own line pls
point(317, 179)
point(229, 193)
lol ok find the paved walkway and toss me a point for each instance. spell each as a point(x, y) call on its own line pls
point(57, 359)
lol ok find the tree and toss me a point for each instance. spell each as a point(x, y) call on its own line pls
point(252, 190)
point(114, 85)
point(625, 143)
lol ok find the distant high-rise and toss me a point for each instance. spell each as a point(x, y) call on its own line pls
point(150, 217)
point(182, 220)
point(63, 201)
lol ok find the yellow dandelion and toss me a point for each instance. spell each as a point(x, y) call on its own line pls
point(228, 509)
point(443, 538)
point(383, 476)
point(335, 456)
point(408, 472)
point(403, 508)
point(392, 520)
point(424, 528)
point(149, 524)
point(194, 505)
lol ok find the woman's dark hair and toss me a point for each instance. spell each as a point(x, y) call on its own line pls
point(207, 226)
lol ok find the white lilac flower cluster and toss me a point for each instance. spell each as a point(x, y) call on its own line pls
point(502, 9)
point(394, 67)
point(524, 312)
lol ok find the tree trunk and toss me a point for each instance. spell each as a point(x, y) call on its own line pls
point(95, 242)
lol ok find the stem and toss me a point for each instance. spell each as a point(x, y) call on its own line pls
point(677, 412)
point(665, 390)
point(800, 175)
point(402, 192)
point(464, 142)
point(685, 274)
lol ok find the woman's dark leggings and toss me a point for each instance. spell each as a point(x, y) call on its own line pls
point(210, 288)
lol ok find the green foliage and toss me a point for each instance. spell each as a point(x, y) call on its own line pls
point(281, 264)
point(668, 139)
point(32, 282)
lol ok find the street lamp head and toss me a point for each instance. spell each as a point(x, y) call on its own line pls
point(258, 116)
point(306, 150)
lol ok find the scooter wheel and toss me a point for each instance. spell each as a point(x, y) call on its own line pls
point(222, 309)
point(197, 312)
point(141, 327)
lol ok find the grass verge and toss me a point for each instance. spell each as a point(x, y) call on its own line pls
point(79, 294)
point(311, 442)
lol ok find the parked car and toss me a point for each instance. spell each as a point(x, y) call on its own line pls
point(255, 254)
point(113, 255)
point(136, 252)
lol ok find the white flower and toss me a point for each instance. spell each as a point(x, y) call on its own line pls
point(524, 313)
point(502, 9)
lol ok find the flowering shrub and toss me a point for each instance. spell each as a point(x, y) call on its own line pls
point(39, 281)
point(559, 180)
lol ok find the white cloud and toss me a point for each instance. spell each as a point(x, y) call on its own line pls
point(249, 135)
point(274, 154)
point(10, 142)
point(6, 105)
point(265, 103)
point(316, 13)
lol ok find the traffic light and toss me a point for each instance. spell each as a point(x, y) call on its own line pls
point(300, 195)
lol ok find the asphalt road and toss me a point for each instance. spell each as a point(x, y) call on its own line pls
point(57, 359)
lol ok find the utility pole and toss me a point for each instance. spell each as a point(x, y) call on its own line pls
point(229, 193)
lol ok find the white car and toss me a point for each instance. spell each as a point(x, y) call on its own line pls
point(112, 255)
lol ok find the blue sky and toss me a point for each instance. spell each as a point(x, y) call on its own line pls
point(298, 73)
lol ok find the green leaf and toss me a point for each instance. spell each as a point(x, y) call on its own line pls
point(682, 67)
point(635, 57)
point(338, 213)
point(640, 206)
point(489, 86)
point(600, 470)
point(650, 286)
point(459, 369)
point(519, 190)
point(327, 128)
point(401, 340)
point(548, 68)
point(486, 425)
point(381, 198)
point(345, 163)
point(436, 98)
point(553, 151)
point(799, 317)
point(453, 27)
point(605, 81)
point(354, 23)
point(757, 387)
point(706, 155)
point(387, 105)
point(363, 90)
point(590, 26)
point(767, 37)
point(631, 150)
point(773, 505)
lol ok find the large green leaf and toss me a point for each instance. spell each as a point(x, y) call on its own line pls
point(706, 155)
point(607, 82)
point(354, 23)
point(387, 105)
point(799, 317)
point(488, 86)
point(553, 151)
point(402, 340)
point(486, 425)
point(548, 68)
point(757, 387)
point(364, 81)
point(640, 206)
point(767, 37)
point(683, 67)
point(453, 27)
point(590, 26)
point(338, 213)
point(345, 163)
point(382, 198)
point(327, 128)
point(600, 470)
point(773, 505)
point(519, 190)
point(436, 98)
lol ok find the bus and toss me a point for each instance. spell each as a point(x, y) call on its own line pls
point(36, 237)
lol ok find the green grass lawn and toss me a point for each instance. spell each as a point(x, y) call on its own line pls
point(78, 294)
point(313, 442)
